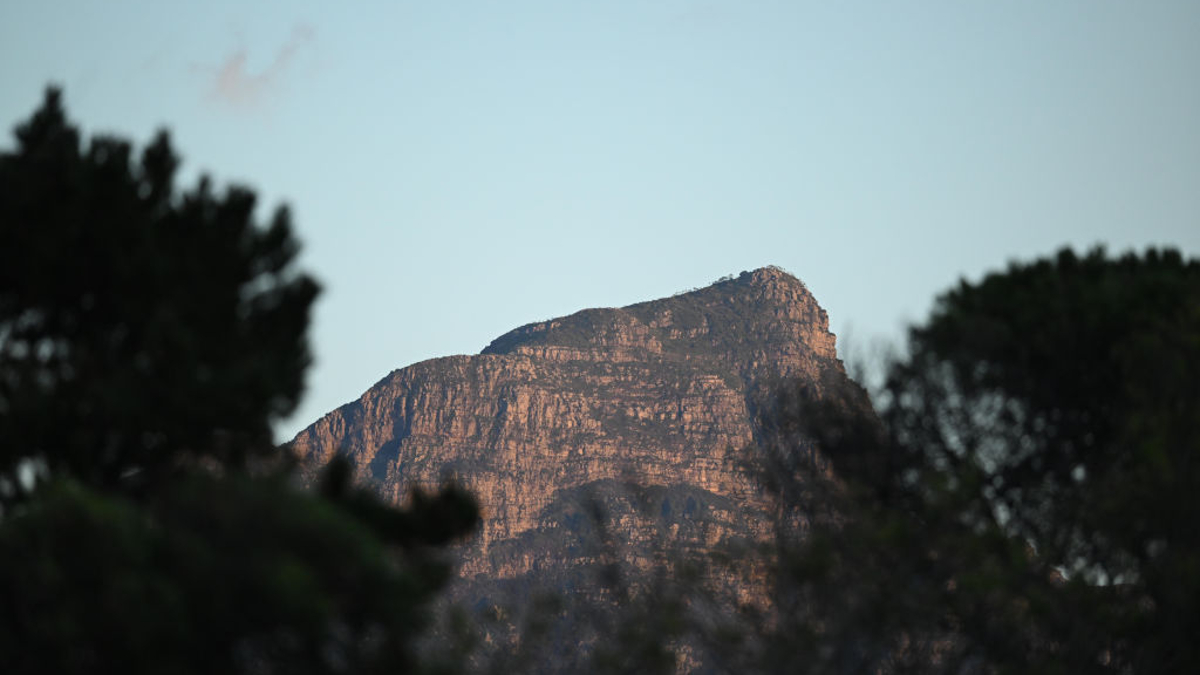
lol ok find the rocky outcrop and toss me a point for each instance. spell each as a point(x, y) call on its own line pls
point(628, 421)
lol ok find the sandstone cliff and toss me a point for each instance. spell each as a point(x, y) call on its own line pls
point(621, 422)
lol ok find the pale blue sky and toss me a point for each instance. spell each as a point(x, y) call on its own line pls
point(457, 169)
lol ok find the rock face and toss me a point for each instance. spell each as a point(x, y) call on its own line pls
point(627, 422)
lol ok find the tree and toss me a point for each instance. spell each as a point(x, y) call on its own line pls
point(148, 339)
point(1024, 499)
point(139, 327)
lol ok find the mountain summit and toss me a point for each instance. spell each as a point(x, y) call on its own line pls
point(634, 416)
point(755, 312)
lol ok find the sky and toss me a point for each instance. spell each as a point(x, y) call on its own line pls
point(459, 168)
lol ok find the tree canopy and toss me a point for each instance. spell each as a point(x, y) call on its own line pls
point(138, 325)
point(1024, 501)
point(149, 337)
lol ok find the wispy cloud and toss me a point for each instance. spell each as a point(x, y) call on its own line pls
point(235, 85)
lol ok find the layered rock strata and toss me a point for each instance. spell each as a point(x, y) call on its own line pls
point(609, 428)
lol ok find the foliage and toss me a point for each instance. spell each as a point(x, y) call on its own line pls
point(232, 574)
point(148, 339)
point(1025, 499)
point(138, 326)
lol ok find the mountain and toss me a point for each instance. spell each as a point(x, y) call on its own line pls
point(610, 434)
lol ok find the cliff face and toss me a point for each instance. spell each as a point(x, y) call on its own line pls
point(626, 421)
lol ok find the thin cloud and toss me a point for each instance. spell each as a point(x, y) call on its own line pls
point(235, 85)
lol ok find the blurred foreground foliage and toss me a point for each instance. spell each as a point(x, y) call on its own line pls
point(1025, 496)
point(148, 339)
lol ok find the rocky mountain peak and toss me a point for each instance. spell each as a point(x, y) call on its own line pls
point(759, 314)
point(775, 281)
point(645, 409)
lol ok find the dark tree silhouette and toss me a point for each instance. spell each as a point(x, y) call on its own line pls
point(148, 339)
point(1025, 500)
point(138, 327)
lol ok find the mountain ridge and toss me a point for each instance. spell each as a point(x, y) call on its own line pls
point(607, 430)
point(759, 338)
